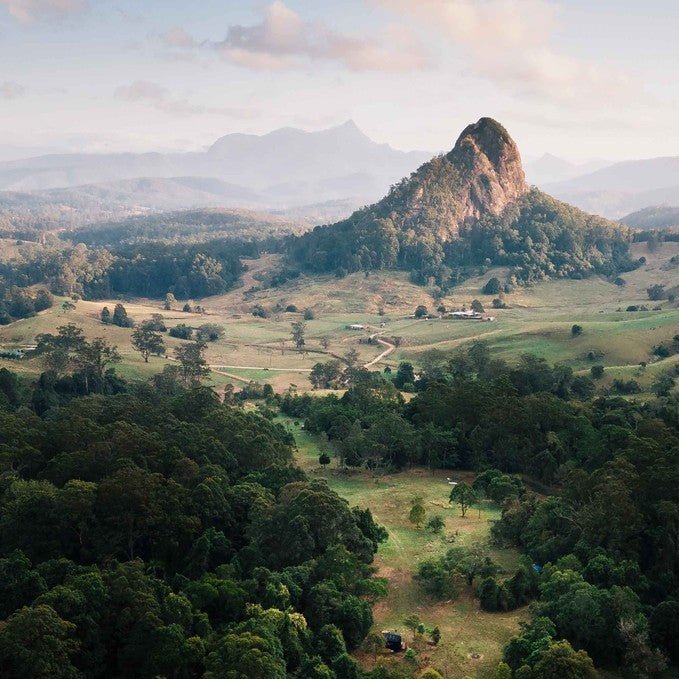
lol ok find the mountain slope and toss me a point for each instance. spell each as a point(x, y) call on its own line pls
point(654, 217)
point(467, 208)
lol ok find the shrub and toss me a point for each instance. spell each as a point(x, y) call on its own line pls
point(308, 314)
point(576, 330)
point(181, 331)
point(492, 287)
point(597, 371)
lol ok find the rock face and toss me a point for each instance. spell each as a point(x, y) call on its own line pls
point(481, 176)
point(490, 167)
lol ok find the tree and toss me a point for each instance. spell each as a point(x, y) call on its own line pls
point(170, 302)
point(576, 330)
point(120, 317)
point(663, 626)
point(187, 308)
point(492, 287)
point(93, 359)
point(374, 643)
point(560, 661)
point(656, 292)
point(36, 642)
point(503, 671)
point(417, 511)
point(181, 331)
point(436, 524)
point(597, 371)
point(421, 311)
point(477, 306)
point(67, 306)
point(156, 322)
point(404, 375)
point(298, 330)
point(324, 342)
point(463, 495)
point(308, 314)
point(351, 358)
point(209, 332)
point(193, 366)
point(324, 459)
point(105, 315)
point(147, 342)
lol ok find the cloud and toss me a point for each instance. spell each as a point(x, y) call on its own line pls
point(32, 10)
point(178, 38)
point(11, 90)
point(283, 39)
point(508, 43)
point(160, 98)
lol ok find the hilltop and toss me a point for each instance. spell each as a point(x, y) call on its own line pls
point(470, 207)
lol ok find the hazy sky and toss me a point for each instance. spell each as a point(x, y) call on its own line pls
point(579, 78)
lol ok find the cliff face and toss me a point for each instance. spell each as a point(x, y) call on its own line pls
point(481, 176)
point(490, 166)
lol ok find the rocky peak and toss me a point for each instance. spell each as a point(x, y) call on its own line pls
point(490, 169)
point(481, 176)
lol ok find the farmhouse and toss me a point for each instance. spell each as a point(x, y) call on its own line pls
point(469, 315)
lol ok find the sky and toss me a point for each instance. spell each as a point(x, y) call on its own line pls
point(582, 79)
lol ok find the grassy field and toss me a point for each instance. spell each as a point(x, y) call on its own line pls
point(538, 320)
point(466, 630)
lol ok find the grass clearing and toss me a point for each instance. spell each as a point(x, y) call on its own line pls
point(465, 629)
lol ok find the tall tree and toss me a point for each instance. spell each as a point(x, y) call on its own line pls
point(464, 495)
point(192, 362)
point(146, 341)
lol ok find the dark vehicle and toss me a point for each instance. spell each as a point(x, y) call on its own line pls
point(393, 641)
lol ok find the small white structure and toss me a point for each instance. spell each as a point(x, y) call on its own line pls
point(356, 326)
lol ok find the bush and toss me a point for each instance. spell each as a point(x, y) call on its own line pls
point(291, 309)
point(181, 331)
point(597, 371)
point(436, 524)
point(258, 311)
point(308, 314)
point(576, 330)
point(656, 292)
point(209, 332)
point(421, 311)
point(492, 287)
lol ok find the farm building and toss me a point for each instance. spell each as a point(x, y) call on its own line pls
point(355, 326)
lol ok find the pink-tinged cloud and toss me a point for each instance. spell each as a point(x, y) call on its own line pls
point(34, 10)
point(508, 42)
point(159, 97)
point(283, 40)
point(11, 90)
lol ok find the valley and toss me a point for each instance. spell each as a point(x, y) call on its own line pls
point(538, 320)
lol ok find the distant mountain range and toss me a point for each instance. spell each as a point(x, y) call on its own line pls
point(621, 188)
point(549, 168)
point(285, 168)
point(320, 176)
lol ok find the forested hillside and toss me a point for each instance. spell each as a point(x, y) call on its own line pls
point(149, 531)
point(468, 208)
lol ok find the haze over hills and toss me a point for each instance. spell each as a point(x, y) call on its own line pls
point(623, 187)
point(467, 208)
point(549, 168)
point(285, 168)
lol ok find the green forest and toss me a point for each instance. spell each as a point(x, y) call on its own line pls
point(173, 535)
